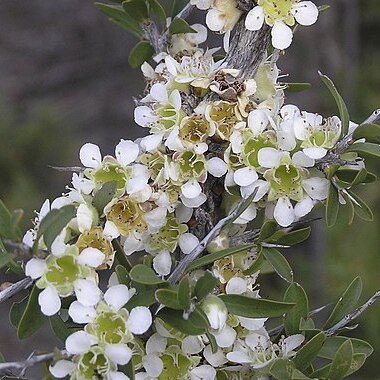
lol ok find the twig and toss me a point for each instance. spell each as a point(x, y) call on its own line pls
point(31, 361)
point(23, 252)
point(355, 314)
point(182, 265)
point(75, 169)
point(15, 288)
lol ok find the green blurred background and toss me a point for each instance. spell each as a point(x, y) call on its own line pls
point(65, 80)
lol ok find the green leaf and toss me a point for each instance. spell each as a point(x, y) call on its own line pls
point(332, 344)
point(267, 230)
point(282, 369)
point(297, 87)
point(357, 362)
point(205, 285)
point(17, 311)
point(169, 298)
point(365, 149)
point(361, 208)
point(332, 206)
point(308, 352)
point(178, 5)
point(53, 223)
point(142, 52)
point(350, 176)
point(144, 275)
point(32, 318)
point(145, 298)
point(5, 222)
point(346, 303)
point(117, 15)
point(370, 132)
point(254, 307)
point(344, 116)
point(16, 218)
point(184, 293)
point(342, 361)
point(59, 328)
point(158, 10)
point(256, 265)
point(292, 237)
point(210, 258)
point(122, 275)
point(103, 196)
point(137, 9)
point(5, 259)
point(297, 295)
point(194, 325)
point(179, 26)
point(279, 263)
point(121, 257)
point(128, 370)
point(213, 343)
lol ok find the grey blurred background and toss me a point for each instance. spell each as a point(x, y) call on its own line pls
point(65, 80)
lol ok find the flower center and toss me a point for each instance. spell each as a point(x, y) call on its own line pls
point(278, 10)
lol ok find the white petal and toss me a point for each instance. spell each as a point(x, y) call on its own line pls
point(117, 296)
point(249, 214)
point(226, 337)
point(238, 357)
point(194, 202)
point(183, 213)
point(262, 188)
point(192, 345)
point(132, 244)
point(159, 92)
point(153, 365)
point(90, 156)
point(156, 218)
point(289, 111)
point(35, 268)
point(293, 341)
point(156, 343)
point(110, 230)
point(252, 323)
point(203, 372)
point(257, 121)
point(84, 217)
point(162, 263)
point(214, 20)
point(92, 257)
point(316, 188)
point(119, 353)
point(305, 13)
point(49, 301)
point(236, 285)
point(144, 116)
point(80, 313)
point(191, 189)
point(217, 359)
point(284, 212)
point(216, 167)
point(301, 159)
point(175, 99)
point(117, 376)
point(255, 18)
point(29, 238)
point(140, 319)
point(303, 207)
point(87, 292)
point(245, 176)
point(126, 152)
point(315, 152)
point(79, 342)
point(62, 368)
point(187, 242)
point(151, 143)
point(282, 35)
point(171, 65)
point(269, 157)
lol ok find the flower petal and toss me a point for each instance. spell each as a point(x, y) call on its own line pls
point(245, 176)
point(203, 372)
point(119, 353)
point(90, 156)
point(92, 257)
point(303, 207)
point(126, 152)
point(35, 268)
point(216, 167)
point(153, 365)
point(284, 212)
point(282, 35)
point(305, 13)
point(140, 319)
point(269, 157)
point(236, 285)
point(191, 189)
point(162, 263)
point(79, 342)
point(49, 301)
point(87, 292)
point(80, 313)
point(226, 337)
point(315, 153)
point(62, 368)
point(317, 188)
point(117, 296)
point(187, 242)
point(255, 18)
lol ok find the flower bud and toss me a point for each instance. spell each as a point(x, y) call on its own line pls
point(216, 312)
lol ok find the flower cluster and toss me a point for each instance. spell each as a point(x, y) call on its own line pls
point(280, 15)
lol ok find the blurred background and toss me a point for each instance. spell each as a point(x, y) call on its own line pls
point(65, 80)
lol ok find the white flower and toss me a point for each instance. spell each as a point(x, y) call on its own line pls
point(223, 15)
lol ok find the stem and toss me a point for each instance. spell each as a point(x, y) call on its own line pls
point(15, 288)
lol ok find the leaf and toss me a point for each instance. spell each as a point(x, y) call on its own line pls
point(256, 265)
point(158, 10)
point(59, 328)
point(32, 318)
point(5, 259)
point(297, 295)
point(365, 149)
point(169, 298)
point(144, 275)
point(142, 52)
point(184, 293)
point(332, 344)
point(361, 208)
point(137, 9)
point(213, 343)
point(346, 303)
point(254, 307)
point(120, 18)
point(121, 257)
point(205, 285)
point(210, 258)
point(122, 275)
point(369, 132)
point(308, 352)
point(179, 26)
point(332, 206)
point(279, 263)
point(103, 196)
point(267, 230)
point(342, 361)
point(350, 176)
point(344, 116)
point(145, 298)
point(16, 312)
point(5, 222)
point(357, 362)
point(194, 325)
point(128, 369)
point(52, 225)
point(292, 237)
point(297, 87)
point(178, 5)
point(282, 369)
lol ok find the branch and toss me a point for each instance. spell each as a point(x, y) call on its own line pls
point(15, 288)
point(355, 314)
point(32, 360)
point(75, 169)
point(182, 265)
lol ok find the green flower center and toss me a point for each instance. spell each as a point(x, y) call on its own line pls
point(94, 365)
point(110, 327)
point(169, 116)
point(191, 165)
point(252, 145)
point(223, 114)
point(62, 272)
point(194, 129)
point(278, 10)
